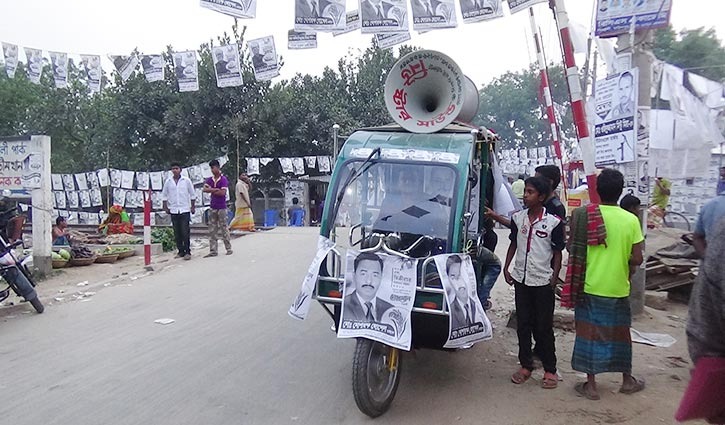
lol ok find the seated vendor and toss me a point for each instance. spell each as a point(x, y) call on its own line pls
point(60, 232)
point(117, 222)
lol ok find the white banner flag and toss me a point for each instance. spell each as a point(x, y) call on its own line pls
point(157, 180)
point(480, 10)
point(142, 180)
point(238, 8)
point(93, 71)
point(433, 14)
point(72, 199)
point(265, 161)
point(391, 39)
point(10, 53)
point(59, 199)
point(153, 67)
point(96, 197)
point(56, 181)
point(186, 70)
point(519, 5)
point(127, 179)
point(125, 65)
point(81, 181)
point(286, 164)
point(264, 58)
point(103, 178)
point(252, 166)
point(383, 16)
point(85, 198)
point(316, 15)
point(323, 163)
point(299, 166)
point(311, 161)
point(35, 64)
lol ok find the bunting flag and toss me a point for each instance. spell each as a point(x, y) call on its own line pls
point(119, 197)
point(56, 181)
point(85, 198)
point(59, 62)
point(315, 15)
point(68, 182)
point(226, 65)
point(297, 40)
point(286, 164)
point(96, 197)
point(35, 64)
point(157, 180)
point(480, 10)
point(386, 16)
point(59, 199)
point(142, 180)
point(72, 199)
point(433, 15)
point(103, 177)
point(10, 54)
point(115, 177)
point(252, 166)
point(299, 166)
point(352, 23)
point(81, 181)
point(93, 72)
point(125, 65)
point(323, 163)
point(153, 67)
point(245, 9)
point(186, 69)
point(265, 161)
point(264, 58)
point(311, 161)
point(127, 179)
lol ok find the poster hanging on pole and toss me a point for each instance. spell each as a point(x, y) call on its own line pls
point(433, 14)
point(264, 58)
point(383, 16)
point(519, 5)
point(615, 123)
point(319, 15)
point(10, 53)
point(245, 9)
point(186, 70)
point(480, 10)
point(378, 298)
point(297, 40)
point(352, 23)
point(153, 67)
point(226, 65)
point(615, 17)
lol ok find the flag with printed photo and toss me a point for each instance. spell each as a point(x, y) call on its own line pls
point(115, 177)
point(59, 199)
point(157, 201)
point(92, 179)
point(252, 166)
point(519, 5)
point(125, 65)
point(68, 182)
point(264, 58)
point(103, 177)
point(387, 40)
point(119, 197)
point(480, 10)
point(81, 181)
point(127, 179)
point(352, 23)
point(323, 164)
point(226, 65)
point(186, 69)
point(311, 161)
point(59, 62)
point(153, 67)
point(93, 71)
point(10, 53)
point(142, 180)
point(286, 164)
point(319, 15)
point(433, 14)
point(157, 180)
point(34, 59)
point(299, 165)
point(96, 197)
point(72, 199)
point(245, 9)
point(72, 217)
point(383, 16)
point(297, 40)
point(56, 181)
point(85, 198)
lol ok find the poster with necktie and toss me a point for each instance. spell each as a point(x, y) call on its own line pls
point(433, 14)
point(320, 15)
point(379, 16)
point(480, 10)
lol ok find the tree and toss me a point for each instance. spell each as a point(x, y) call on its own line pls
point(698, 50)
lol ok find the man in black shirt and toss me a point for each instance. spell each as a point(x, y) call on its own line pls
point(553, 204)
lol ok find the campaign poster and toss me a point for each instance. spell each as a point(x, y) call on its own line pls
point(92, 71)
point(264, 58)
point(311, 161)
point(127, 179)
point(352, 23)
point(301, 305)
point(615, 123)
point(519, 5)
point(34, 58)
point(157, 180)
point(59, 62)
point(68, 182)
point(319, 15)
point(433, 14)
point(157, 201)
point(103, 178)
point(299, 165)
point(119, 197)
point(226, 65)
point(480, 10)
point(59, 199)
point(72, 199)
point(297, 40)
point(186, 69)
point(615, 17)
point(125, 65)
point(245, 9)
point(252, 166)
point(286, 164)
point(388, 40)
point(142, 180)
point(10, 54)
point(153, 67)
point(378, 16)
point(81, 181)
point(96, 197)
point(56, 181)
point(85, 198)
point(378, 298)
point(468, 322)
point(323, 162)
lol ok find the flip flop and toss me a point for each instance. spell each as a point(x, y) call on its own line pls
point(550, 381)
point(522, 375)
point(581, 389)
point(637, 387)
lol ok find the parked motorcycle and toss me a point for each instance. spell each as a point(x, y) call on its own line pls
point(16, 276)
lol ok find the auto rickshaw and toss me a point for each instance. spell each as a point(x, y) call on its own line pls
point(449, 161)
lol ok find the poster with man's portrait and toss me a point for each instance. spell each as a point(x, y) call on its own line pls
point(379, 16)
point(93, 72)
point(119, 197)
point(85, 198)
point(433, 14)
point(115, 177)
point(127, 179)
point(615, 124)
point(378, 298)
point(56, 182)
point(157, 180)
point(10, 53)
point(81, 181)
point(186, 69)
point(68, 182)
point(142, 180)
point(323, 163)
point(125, 65)
point(195, 174)
point(264, 58)
point(157, 201)
point(96, 197)
point(480, 10)
point(72, 199)
point(34, 58)
point(103, 178)
point(245, 9)
point(226, 65)
point(153, 67)
point(468, 322)
point(59, 199)
point(319, 15)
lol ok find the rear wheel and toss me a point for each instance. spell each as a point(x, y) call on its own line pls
point(375, 376)
point(37, 305)
point(676, 220)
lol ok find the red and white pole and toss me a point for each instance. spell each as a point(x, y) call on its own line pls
point(549, 104)
point(586, 144)
point(147, 228)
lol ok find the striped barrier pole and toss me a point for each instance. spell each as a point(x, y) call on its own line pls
point(147, 228)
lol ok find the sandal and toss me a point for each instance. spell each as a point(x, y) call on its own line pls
point(636, 387)
point(550, 381)
point(581, 389)
point(521, 376)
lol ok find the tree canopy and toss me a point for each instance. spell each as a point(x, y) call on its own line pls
point(698, 50)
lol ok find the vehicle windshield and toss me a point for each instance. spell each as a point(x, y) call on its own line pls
point(406, 198)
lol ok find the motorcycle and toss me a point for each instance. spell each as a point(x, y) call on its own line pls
point(16, 276)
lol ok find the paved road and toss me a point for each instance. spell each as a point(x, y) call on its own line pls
point(233, 356)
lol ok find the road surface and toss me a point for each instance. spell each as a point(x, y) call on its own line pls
point(233, 356)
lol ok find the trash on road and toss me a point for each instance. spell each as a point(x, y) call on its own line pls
point(164, 321)
point(653, 339)
point(84, 283)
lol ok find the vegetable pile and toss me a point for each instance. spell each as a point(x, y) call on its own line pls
point(164, 236)
point(81, 252)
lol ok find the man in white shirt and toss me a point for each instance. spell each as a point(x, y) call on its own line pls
point(180, 202)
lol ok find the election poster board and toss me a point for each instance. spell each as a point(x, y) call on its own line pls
point(615, 124)
point(615, 17)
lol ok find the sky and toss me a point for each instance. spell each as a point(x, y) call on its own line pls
point(483, 50)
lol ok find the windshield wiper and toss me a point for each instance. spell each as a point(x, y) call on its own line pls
point(354, 175)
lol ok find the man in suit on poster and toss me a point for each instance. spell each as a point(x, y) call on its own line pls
point(310, 8)
point(374, 10)
point(363, 303)
point(463, 309)
point(468, 6)
point(425, 8)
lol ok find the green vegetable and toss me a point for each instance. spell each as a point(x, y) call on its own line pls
point(55, 256)
point(164, 236)
point(64, 254)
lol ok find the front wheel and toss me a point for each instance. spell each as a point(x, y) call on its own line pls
point(375, 376)
point(37, 305)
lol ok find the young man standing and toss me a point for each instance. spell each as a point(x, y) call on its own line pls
point(602, 313)
point(553, 204)
point(537, 240)
point(217, 185)
point(179, 202)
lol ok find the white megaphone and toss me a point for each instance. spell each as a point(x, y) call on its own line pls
point(425, 91)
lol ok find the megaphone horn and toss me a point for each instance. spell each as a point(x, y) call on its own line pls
point(425, 91)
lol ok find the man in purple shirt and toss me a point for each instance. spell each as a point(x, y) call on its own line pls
point(217, 185)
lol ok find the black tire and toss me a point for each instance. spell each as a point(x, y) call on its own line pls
point(373, 383)
point(676, 221)
point(37, 305)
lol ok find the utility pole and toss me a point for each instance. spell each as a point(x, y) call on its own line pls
point(640, 44)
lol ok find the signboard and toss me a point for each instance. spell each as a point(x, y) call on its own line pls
point(615, 17)
point(15, 165)
point(615, 125)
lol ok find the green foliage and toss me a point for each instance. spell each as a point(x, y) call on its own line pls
point(698, 50)
point(165, 236)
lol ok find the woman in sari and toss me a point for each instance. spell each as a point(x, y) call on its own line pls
point(243, 218)
point(116, 222)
